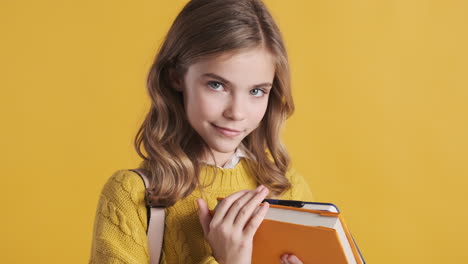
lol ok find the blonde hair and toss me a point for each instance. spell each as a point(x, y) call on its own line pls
point(206, 28)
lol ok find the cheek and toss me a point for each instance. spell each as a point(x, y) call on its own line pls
point(203, 106)
point(207, 110)
point(192, 106)
point(259, 111)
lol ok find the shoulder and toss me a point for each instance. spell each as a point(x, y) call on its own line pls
point(300, 189)
point(294, 176)
point(124, 180)
point(125, 190)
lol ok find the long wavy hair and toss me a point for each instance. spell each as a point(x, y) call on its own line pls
point(203, 29)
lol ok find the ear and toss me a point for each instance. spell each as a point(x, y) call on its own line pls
point(175, 80)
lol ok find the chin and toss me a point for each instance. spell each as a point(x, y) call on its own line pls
point(223, 147)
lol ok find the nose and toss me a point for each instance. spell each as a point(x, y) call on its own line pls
point(236, 108)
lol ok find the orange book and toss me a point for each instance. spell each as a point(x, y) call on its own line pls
point(314, 232)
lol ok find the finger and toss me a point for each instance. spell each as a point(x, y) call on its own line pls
point(225, 204)
point(256, 210)
point(256, 220)
point(246, 211)
point(204, 216)
point(240, 206)
point(292, 259)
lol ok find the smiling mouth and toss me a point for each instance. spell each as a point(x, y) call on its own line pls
point(227, 131)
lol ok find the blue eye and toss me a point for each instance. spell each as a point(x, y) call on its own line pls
point(215, 85)
point(255, 92)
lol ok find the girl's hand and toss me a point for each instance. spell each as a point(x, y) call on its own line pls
point(289, 259)
point(231, 230)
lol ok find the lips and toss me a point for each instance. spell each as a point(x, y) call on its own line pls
point(227, 131)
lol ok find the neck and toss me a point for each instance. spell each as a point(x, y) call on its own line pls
point(217, 158)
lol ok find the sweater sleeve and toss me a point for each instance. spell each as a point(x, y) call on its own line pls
point(300, 189)
point(119, 233)
point(209, 260)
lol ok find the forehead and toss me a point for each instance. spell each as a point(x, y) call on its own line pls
point(248, 67)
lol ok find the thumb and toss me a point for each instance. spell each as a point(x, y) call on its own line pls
point(204, 215)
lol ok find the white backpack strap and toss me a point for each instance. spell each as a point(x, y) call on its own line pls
point(156, 221)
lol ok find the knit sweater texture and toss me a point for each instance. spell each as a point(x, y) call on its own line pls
point(119, 234)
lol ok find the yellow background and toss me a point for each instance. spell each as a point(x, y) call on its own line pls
point(380, 129)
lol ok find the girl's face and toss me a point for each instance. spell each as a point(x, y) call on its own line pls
point(226, 97)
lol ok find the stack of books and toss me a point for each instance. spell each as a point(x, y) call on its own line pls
point(313, 232)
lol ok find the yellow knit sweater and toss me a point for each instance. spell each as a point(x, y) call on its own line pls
point(119, 234)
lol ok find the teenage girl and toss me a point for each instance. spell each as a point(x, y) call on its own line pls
point(220, 94)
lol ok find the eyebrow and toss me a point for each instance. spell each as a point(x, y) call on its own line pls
point(212, 75)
